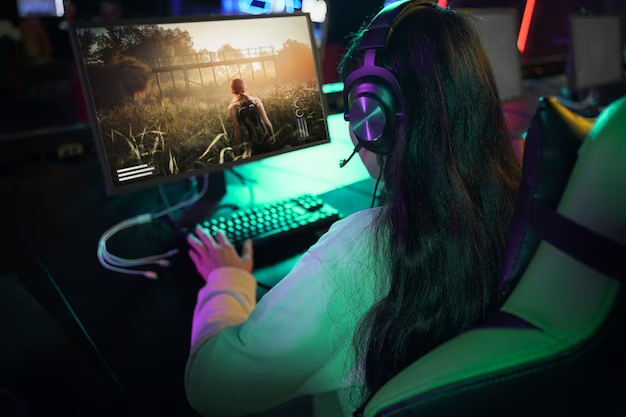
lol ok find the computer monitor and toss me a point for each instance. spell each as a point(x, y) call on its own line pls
point(498, 30)
point(161, 94)
point(596, 52)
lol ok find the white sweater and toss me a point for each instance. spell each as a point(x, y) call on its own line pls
point(297, 341)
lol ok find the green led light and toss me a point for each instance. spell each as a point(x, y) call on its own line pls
point(332, 88)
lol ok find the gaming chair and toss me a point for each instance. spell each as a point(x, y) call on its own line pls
point(557, 347)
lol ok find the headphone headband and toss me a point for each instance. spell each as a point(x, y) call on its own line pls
point(379, 31)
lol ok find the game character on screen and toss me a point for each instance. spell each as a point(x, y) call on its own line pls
point(248, 115)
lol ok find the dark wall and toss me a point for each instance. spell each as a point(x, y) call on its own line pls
point(345, 17)
point(132, 8)
point(549, 32)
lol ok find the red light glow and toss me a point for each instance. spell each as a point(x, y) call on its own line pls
point(525, 28)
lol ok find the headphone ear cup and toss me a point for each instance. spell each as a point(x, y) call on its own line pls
point(368, 118)
point(373, 115)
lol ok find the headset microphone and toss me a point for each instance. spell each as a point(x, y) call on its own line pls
point(344, 162)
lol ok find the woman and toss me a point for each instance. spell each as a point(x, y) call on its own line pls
point(385, 286)
point(248, 113)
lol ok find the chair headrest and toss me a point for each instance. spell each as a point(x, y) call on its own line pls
point(550, 153)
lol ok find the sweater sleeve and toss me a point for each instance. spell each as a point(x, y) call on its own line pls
point(245, 359)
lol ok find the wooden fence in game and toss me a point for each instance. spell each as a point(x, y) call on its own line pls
point(213, 60)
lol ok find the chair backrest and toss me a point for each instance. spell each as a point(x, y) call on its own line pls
point(566, 348)
point(550, 153)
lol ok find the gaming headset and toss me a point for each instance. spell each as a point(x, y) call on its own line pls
point(372, 96)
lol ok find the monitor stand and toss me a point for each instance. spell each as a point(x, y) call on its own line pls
point(185, 219)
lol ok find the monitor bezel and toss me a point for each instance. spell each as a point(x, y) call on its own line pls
point(572, 78)
point(111, 187)
point(514, 13)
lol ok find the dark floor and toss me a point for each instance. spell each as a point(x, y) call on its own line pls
point(39, 364)
point(39, 373)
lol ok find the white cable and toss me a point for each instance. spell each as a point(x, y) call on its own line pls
point(119, 264)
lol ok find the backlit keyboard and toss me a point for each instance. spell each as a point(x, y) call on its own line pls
point(278, 224)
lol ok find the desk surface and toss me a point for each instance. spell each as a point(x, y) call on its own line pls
point(143, 327)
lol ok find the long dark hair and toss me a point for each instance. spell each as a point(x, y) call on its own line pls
point(451, 183)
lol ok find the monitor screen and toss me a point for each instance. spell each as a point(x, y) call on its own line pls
point(40, 8)
point(596, 51)
point(498, 29)
point(173, 100)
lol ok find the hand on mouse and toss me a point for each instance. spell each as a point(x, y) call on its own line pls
point(209, 253)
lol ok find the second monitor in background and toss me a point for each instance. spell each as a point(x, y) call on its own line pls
point(176, 99)
point(498, 30)
point(596, 55)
